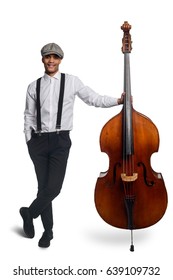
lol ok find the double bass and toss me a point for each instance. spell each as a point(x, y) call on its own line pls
point(130, 194)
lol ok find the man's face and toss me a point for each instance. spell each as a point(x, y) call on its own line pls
point(51, 64)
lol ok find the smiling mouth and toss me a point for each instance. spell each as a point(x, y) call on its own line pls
point(51, 65)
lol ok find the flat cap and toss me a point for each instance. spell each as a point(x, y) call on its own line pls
point(52, 48)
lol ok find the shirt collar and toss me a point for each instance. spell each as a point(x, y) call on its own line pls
point(56, 76)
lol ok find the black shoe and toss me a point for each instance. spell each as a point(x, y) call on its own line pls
point(44, 241)
point(28, 226)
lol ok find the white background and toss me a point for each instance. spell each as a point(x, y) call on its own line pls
point(90, 35)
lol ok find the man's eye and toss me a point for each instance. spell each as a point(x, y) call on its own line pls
point(55, 56)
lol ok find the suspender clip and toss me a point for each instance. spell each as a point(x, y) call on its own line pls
point(57, 130)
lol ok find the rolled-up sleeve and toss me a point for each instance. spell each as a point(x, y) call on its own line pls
point(92, 98)
point(30, 112)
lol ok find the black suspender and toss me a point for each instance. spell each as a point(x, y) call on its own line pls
point(60, 104)
point(38, 106)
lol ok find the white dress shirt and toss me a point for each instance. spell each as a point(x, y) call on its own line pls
point(49, 95)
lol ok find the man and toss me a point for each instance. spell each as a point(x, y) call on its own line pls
point(48, 122)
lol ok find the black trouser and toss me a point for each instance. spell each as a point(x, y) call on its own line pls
point(49, 153)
